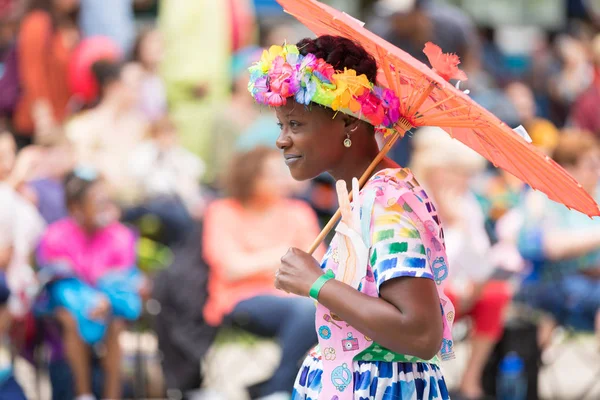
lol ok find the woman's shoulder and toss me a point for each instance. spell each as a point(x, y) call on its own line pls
point(60, 232)
point(226, 205)
point(296, 206)
point(393, 186)
point(119, 233)
point(35, 26)
point(35, 19)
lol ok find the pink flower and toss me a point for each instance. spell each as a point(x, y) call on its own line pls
point(446, 65)
point(274, 99)
point(391, 104)
point(371, 107)
point(323, 71)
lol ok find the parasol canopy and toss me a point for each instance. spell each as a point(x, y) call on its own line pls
point(428, 99)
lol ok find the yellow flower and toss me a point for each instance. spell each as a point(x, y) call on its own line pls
point(268, 56)
point(349, 86)
point(290, 49)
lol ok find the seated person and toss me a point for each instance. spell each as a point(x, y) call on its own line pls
point(167, 177)
point(97, 287)
point(446, 168)
point(563, 246)
point(245, 236)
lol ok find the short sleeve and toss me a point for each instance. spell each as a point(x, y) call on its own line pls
point(396, 246)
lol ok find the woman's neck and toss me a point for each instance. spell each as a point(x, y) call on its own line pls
point(357, 162)
point(258, 205)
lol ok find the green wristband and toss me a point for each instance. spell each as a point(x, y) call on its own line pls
point(318, 285)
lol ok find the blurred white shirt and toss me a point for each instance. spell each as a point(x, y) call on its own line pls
point(171, 172)
point(468, 249)
point(21, 227)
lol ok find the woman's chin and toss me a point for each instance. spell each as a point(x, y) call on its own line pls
point(300, 174)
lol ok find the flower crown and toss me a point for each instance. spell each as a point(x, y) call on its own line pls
point(283, 72)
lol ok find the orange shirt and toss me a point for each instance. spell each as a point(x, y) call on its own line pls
point(230, 233)
point(43, 59)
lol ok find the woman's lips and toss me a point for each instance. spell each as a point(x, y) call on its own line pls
point(291, 158)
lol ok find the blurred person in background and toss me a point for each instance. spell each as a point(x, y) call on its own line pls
point(584, 112)
point(167, 177)
point(544, 134)
point(446, 168)
point(46, 188)
point(409, 24)
point(244, 237)
point(93, 245)
point(21, 224)
point(110, 18)
point(228, 130)
point(20, 229)
point(147, 55)
point(563, 246)
point(105, 136)
point(499, 191)
point(198, 47)
point(9, 387)
point(575, 76)
point(47, 36)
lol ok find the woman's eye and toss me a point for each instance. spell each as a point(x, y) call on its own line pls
point(280, 125)
point(294, 124)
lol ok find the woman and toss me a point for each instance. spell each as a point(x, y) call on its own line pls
point(381, 322)
point(106, 136)
point(168, 178)
point(563, 246)
point(97, 250)
point(447, 167)
point(46, 38)
point(147, 56)
point(244, 237)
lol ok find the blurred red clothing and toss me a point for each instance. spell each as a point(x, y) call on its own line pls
point(488, 311)
point(585, 112)
point(43, 62)
point(230, 235)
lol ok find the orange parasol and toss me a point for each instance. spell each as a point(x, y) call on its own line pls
point(428, 99)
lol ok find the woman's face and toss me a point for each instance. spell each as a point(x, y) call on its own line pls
point(274, 181)
point(453, 179)
point(311, 139)
point(151, 49)
point(97, 209)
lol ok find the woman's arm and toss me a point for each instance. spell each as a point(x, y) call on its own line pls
point(560, 245)
point(405, 319)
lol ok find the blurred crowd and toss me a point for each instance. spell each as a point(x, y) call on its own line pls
point(135, 169)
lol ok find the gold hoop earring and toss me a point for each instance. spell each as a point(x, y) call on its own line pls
point(347, 141)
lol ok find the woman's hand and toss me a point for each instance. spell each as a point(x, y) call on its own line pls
point(297, 272)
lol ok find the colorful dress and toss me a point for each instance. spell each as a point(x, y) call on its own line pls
point(403, 238)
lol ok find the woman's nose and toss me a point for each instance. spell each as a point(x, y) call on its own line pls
point(283, 140)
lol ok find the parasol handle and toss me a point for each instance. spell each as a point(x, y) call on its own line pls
point(403, 124)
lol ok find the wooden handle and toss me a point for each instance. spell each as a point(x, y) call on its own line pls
point(363, 179)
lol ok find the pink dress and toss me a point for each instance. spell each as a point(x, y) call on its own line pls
point(400, 236)
point(90, 257)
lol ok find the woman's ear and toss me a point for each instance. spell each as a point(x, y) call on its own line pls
point(351, 124)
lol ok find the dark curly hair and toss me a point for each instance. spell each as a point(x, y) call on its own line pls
point(341, 53)
point(78, 183)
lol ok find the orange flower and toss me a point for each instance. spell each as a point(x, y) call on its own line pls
point(445, 64)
